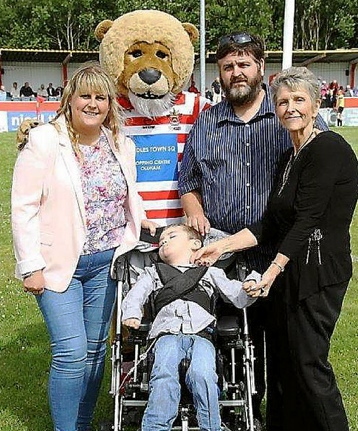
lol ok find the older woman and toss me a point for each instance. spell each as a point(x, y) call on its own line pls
point(74, 202)
point(308, 216)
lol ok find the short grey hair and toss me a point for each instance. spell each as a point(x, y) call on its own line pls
point(296, 78)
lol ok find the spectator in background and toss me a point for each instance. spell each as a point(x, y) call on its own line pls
point(208, 94)
point(334, 86)
point(324, 91)
point(348, 92)
point(59, 91)
point(216, 90)
point(2, 93)
point(26, 90)
point(330, 98)
point(51, 92)
point(15, 93)
point(339, 106)
point(332, 94)
point(41, 91)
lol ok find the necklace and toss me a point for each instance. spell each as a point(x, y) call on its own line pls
point(307, 141)
point(292, 160)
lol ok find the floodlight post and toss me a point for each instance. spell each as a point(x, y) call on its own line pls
point(288, 33)
point(202, 47)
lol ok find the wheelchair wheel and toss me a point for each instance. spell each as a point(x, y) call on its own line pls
point(234, 419)
point(258, 425)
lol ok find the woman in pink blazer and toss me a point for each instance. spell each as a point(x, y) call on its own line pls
point(74, 202)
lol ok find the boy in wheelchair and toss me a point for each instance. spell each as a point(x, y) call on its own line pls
point(183, 296)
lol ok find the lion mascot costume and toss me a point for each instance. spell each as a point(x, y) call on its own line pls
point(150, 56)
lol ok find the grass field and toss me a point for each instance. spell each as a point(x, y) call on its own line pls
point(24, 345)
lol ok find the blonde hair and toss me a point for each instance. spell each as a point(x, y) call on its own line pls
point(88, 78)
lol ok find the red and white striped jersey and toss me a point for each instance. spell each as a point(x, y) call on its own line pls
point(159, 149)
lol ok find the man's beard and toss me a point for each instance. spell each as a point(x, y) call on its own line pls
point(239, 96)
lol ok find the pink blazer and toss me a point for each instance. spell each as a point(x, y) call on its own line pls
point(48, 215)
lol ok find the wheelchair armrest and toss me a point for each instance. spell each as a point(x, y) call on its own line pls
point(139, 336)
point(145, 326)
point(228, 326)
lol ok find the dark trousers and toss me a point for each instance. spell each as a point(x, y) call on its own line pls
point(302, 389)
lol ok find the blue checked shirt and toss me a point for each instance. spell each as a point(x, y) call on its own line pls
point(232, 165)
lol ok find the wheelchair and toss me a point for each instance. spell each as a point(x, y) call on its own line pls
point(131, 371)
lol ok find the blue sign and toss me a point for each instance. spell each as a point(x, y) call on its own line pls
point(15, 118)
point(156, 157)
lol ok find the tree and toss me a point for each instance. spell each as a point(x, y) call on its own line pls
point(65, 24)
point(325, 25)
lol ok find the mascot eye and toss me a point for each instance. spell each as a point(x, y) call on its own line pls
point(137, 53)
point(161, 54)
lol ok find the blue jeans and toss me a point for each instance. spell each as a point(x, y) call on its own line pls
point(78, 321)
point(164, 386)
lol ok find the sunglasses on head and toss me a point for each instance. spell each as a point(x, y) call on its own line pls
point(241, 39)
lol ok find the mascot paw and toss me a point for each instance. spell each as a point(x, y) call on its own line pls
point(22, 135)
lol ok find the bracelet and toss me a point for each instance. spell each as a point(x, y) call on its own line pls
point(278, 265)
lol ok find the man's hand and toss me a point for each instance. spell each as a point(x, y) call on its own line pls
point(132, 323)
point(193, 208)
point(199, 222)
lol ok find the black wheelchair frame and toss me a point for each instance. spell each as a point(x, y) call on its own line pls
point(235, 363)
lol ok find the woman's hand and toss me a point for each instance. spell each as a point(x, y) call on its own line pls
point(35, 283)
point(262, 288)
point(268, 277)
point(208, 255)
point(150, 225)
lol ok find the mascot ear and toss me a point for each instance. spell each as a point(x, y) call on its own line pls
point(192, 31)
point(102, 29)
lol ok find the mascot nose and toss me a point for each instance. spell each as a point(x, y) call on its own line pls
point(150, 76)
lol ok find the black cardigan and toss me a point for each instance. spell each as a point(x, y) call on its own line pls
point(319, 196)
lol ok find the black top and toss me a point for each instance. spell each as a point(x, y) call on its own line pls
point(309, 214)
point(51, 92)
point(26, 91)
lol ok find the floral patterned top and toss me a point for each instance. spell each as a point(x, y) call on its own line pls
point(104, 192)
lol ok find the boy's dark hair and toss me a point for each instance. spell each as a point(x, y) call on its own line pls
point(191, 232)
point(241, 43)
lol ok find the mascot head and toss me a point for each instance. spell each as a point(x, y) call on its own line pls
point(150, 55)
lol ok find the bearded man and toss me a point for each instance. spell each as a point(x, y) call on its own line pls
point(226, 175)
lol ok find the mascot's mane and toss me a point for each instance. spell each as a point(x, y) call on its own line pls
point(151, 108)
